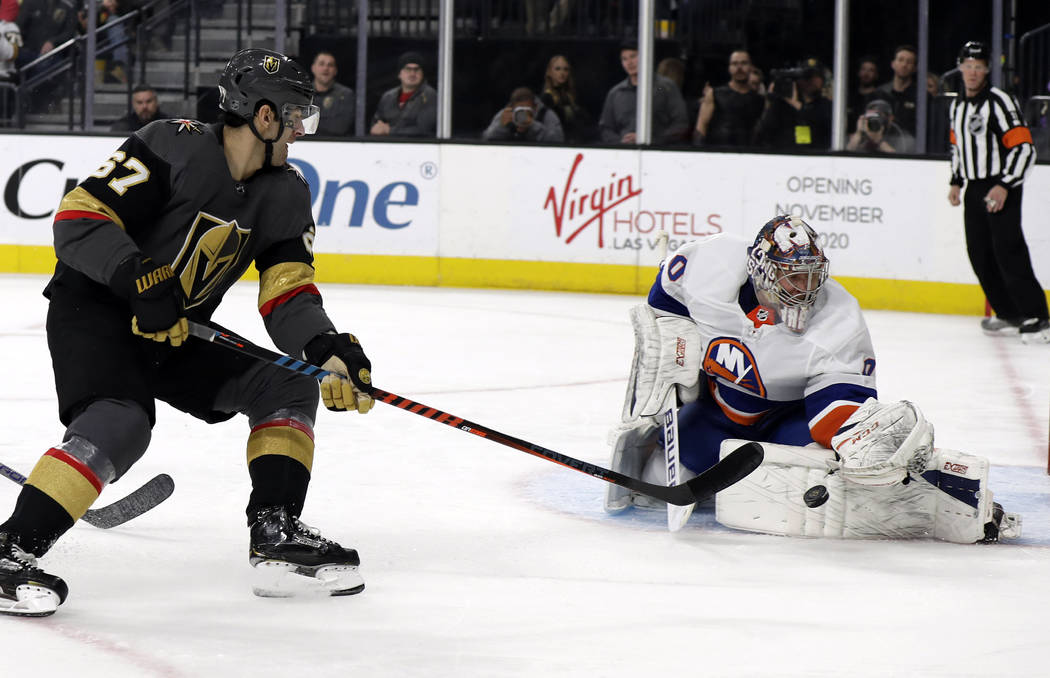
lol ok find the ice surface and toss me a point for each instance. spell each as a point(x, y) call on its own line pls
point(483, 561)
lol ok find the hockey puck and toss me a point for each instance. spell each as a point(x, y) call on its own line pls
point(816, 496)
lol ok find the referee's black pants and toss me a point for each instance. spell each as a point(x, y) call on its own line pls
point(999, 254)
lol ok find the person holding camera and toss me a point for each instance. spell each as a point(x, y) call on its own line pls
point(877, 132)
point(797, 113)
point(524, 119)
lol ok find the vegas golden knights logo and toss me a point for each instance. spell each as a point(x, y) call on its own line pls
point(271, 64)
point(212, 248)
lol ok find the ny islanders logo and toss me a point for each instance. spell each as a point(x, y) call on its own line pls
point(729, 359)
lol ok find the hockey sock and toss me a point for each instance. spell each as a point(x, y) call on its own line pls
point(280, 455)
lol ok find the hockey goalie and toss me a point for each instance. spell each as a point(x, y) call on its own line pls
point(753, 342)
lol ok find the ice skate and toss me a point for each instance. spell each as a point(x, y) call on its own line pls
point(291, 558)
point(1035, 331)
point(999, 326)
point(25, 589)
point(1003, 526)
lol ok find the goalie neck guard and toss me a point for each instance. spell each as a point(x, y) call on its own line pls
point(788, 269)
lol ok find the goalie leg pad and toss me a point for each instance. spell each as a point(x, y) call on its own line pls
point(632, 445)
point(950, 502)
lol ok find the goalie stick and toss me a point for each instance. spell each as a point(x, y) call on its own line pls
point(735, 466)
point(155, 491)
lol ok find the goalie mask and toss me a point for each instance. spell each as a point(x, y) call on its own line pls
point(788, 269)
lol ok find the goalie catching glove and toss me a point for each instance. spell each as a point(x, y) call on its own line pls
point(155, 296)
point(881, 443)
point(343, 355)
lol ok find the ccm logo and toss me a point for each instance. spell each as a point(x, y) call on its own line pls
point(955, 468)
point(679, 352)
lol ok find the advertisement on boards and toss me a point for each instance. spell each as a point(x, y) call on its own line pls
point(366, 198)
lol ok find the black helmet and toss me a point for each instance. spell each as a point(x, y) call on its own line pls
point(974, 50)
point(255, 75)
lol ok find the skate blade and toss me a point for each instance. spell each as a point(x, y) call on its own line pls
point(33, 601)
point(277, 579)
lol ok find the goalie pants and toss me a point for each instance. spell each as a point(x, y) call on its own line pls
point(999, 255)
point(702, 426)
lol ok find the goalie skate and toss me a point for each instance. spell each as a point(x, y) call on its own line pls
point(291, 559)
point(25, 589)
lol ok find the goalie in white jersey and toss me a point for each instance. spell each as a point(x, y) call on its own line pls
point(753, 341)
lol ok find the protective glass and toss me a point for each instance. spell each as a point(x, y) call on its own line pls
point(301, 117)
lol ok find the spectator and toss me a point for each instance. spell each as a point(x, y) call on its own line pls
point(867, 76)
point(797, 114)
point(878, 133)
point(335, 100)
point(10, 39)
point(45, 24)
point(524, 119)
point(144, 110)
point(409, 110)
point(618, 122)
point(114, 57)
point(901, 90)
point(757, 80)
point(728, 114)
point(559, 95)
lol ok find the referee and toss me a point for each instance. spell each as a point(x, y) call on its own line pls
point(991, 151)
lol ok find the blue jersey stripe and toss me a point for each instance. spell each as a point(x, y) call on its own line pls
point(662, 301)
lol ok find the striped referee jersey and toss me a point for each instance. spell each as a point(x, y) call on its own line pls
point(989, 138)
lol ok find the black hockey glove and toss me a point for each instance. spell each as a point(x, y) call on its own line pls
point(342, 354)
point(155, 297)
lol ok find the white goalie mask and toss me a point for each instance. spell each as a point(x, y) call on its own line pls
point(788, 269)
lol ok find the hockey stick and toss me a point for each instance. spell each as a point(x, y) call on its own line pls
point(733, 467)
point(156, 490)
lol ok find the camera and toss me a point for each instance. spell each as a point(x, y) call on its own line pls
point(874, 121)
point(783, 79)
point(521, 115)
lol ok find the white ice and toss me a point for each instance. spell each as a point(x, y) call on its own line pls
point(484, 561)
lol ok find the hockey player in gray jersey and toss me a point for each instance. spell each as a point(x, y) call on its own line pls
point(154, 237)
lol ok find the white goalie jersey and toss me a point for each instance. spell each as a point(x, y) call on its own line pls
point(755, 366)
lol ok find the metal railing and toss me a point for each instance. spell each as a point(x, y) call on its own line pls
point(1033, 63)
point(57, 79)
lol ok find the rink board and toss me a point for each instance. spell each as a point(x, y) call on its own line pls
point(573, 219)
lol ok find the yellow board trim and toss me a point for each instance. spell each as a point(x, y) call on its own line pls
point(64, 484)
point(873, 293)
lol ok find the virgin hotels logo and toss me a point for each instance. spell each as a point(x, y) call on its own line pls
point(603, 205)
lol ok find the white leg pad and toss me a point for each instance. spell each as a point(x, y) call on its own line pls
point(952, 503)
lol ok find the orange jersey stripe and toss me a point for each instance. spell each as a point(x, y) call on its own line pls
point(952, 139)
point(1017, 136)
point(823, 430)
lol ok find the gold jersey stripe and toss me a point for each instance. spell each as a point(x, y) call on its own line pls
point(64, 484)
point(284, 440)
point(80, 200)
point(283, 278)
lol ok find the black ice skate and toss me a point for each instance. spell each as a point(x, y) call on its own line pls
point(25, 589)
point(292, 558)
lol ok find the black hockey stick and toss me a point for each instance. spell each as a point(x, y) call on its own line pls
point(735, 466)
point(156, 490)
